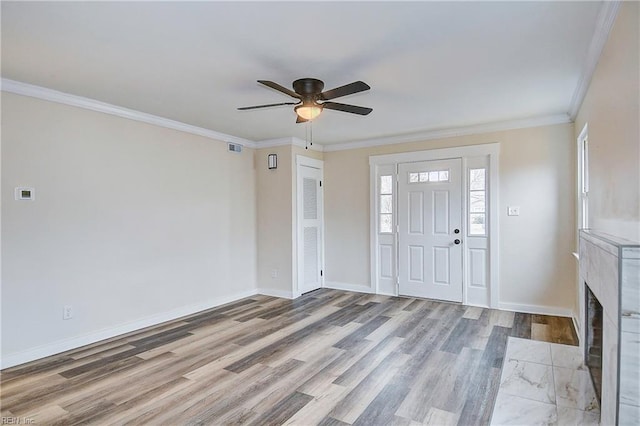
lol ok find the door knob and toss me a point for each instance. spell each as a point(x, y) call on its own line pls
point(456, 241)
point(456, 231)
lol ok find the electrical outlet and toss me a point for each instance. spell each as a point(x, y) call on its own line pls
point(513, 211)
point(67, 312)
point(274, 273)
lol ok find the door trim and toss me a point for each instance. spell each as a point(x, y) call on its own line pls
point(492, 152)
point(297, 243)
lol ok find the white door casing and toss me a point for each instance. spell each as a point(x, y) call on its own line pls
point(309, 225)
point(430, 229)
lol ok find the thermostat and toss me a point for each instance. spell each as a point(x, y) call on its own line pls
point(23, 193)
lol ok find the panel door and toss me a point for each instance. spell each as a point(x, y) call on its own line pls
point(430, 229)
point(309, 229)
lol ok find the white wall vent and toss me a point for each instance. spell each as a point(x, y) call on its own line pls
point(235, 147)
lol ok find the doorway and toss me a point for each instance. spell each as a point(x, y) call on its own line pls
point(310, 237)
point(421, 202)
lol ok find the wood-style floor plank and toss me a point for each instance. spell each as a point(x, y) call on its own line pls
point(327, 358)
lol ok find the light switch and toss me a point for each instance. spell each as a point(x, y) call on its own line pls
point(23, 193)
point(513, 211)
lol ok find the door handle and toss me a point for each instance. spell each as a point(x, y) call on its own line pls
point(457, 241)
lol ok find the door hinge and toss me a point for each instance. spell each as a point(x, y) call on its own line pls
point(320, 272)
point(320, 183)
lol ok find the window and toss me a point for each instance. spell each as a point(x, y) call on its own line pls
point(386, 204)
point(434, 176)
point(477, 202)
point(583, 179)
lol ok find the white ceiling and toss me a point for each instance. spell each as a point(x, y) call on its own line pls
point(430, 65)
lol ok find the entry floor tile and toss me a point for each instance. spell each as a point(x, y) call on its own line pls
point(544, 384)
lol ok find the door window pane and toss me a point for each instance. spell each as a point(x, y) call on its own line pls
point(431, 176)
point(386, 223)
point(477, 224)
point(386, 202)
point(476, 179)
point(477, 204)
point(386, 184)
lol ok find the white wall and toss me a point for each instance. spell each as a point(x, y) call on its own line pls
point(132, 223)
point(277, 219)
point(274, 222)
point(612, 109)
point(536, 173)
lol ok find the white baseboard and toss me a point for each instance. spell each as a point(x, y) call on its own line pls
point(536, 309)
point(359, 288)
point(578, 329)
point(276, 293)
point(60, 346)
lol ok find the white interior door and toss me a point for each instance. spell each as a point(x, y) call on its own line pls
point(309, 228)
point(429, 229)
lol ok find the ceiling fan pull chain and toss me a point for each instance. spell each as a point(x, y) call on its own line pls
point(306, 136)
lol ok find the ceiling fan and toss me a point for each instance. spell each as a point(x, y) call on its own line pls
point(308, 91)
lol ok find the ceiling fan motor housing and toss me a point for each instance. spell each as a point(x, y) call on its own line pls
point(306, 87)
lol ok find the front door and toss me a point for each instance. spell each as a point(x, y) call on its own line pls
point(429, 229)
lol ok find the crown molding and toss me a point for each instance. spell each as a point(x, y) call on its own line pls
point(546, 120)
point(293, 141)
point(604, 24)
point(25, 89)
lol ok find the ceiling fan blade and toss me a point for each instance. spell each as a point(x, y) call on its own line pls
point(301, 120)
point(347, 89)
point(279, 88)
point(353, 109)
point(267, 105)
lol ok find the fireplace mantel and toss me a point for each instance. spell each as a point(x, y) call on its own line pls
point(610, 268)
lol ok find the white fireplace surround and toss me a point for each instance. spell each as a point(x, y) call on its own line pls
point(610, 267)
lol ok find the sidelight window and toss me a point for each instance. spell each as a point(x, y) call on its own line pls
point(477, 202)
point(385, 207)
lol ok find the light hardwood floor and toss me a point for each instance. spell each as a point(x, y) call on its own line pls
point(327, 358)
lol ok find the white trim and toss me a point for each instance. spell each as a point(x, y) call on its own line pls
point(546, 120)
point(276, 293)
point(293, 141)
point(437, 154)
point(604, 24)
point(49, 349)
point(373, 226)
point(494, 225)
point(301, 160)
point(536, 309)
point(577, 327)
point(359, 288)
point(25, 89)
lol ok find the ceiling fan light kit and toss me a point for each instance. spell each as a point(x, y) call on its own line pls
point(308, 112)
point(308, 91)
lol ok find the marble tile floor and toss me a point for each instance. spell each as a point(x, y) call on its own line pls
point(544, 384)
